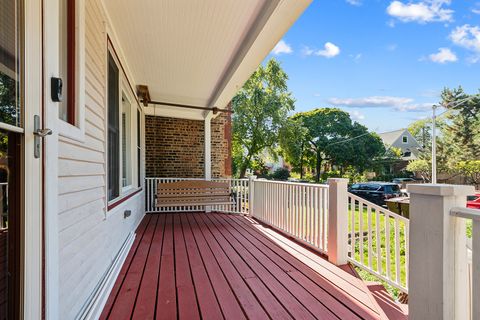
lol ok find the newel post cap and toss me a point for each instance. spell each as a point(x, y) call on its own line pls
point(337, 180)
point(440, 189)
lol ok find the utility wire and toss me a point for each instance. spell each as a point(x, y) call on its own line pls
point(343, 141)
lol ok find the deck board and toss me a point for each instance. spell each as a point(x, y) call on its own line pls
point(217, 266)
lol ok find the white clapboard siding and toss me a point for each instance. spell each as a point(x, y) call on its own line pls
point(70, 201)
point(89, 237)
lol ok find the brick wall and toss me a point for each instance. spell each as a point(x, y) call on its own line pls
point(175, 147)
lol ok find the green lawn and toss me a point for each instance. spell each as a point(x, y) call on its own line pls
point(381, 242)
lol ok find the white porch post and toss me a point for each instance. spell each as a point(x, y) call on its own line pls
point(251, 193)
point(208, 150)
point(437, 249)
point(338, 221)
point(208, 145)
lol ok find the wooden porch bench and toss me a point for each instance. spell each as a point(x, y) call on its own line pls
point(193, 193)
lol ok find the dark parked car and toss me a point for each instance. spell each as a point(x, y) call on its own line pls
point(376, 192)
point(399, 181)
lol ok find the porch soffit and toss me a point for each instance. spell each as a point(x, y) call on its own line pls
point(197, 52)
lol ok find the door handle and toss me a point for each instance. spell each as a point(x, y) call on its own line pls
point(42, 133)
point(38, 133)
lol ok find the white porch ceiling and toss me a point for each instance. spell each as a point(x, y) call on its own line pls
point(198, 52)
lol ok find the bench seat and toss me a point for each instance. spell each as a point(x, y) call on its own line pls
point(193, 193)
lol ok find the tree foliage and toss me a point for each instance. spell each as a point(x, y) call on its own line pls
point(328, 134)
point(458, 140)
point(471, 170)
point(462, 132)
point(422, 167)
point(260, 108)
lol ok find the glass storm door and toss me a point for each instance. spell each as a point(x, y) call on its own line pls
point(11, 137)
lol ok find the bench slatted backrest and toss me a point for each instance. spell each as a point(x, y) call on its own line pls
point(193, 193)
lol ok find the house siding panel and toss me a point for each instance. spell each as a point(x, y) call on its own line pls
point(89, 237)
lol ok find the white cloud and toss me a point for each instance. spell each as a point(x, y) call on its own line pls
point(357, 115)
point(371, 102)
point(282, 48)
point(355, 2)
point(476, 11)
point(421, 11)
point(443, 56)
point(468, 37)
point(397, 103)
point(329, 50)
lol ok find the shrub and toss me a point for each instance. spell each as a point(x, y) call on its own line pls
point(281, 174)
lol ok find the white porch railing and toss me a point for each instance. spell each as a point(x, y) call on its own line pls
point(298, 209)
point(378, 241)
point(473, 259)
point(239, 189)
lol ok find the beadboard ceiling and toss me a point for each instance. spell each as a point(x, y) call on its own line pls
point(198, 52)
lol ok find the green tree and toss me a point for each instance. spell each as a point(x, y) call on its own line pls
point(462, 132)
point(422, 167)
point(471, 170)
point(421, 130)
point(329, 134)
point(260, 108)
point(294, 145)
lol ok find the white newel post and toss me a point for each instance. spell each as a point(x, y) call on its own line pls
point(208, 150)
point(251, 191)
point(438, 257)
point(338, 221)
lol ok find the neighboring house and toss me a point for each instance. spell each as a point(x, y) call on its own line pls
point(402, 139)
point(271, 162)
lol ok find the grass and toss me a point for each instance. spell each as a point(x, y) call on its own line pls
point(379, 244)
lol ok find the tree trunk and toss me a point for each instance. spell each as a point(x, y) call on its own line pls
point(301, 168)
point(318, 166)
point(244, 166)
point(243, 169)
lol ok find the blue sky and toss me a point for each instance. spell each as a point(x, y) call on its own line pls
point(385, 62)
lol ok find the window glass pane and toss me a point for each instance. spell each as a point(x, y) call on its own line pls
point(67, 41)
point(63, 55)
point(9, 63)
point(139, 153)
point(113, 131)
point(126, 143)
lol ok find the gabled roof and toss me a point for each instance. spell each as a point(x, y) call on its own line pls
point(390, 137)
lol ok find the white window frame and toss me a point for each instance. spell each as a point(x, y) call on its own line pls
point(139, 165)
point(65, 129)
point(123, 90)
point(132, 127)
point(404, 138)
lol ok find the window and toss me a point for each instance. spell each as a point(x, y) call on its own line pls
point(126, 143)
point(123, 135)
point(139, 148)
point(405, 139)
point(67, 35)
point(113, 130)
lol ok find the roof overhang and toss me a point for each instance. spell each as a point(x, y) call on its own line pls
point(197, 52)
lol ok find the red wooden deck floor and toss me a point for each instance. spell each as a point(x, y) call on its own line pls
point(216, 266)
